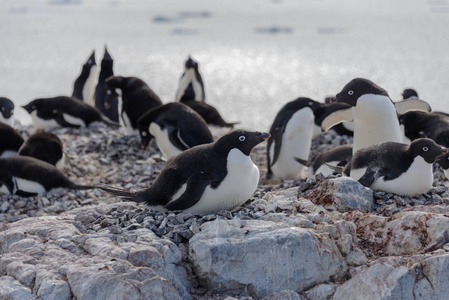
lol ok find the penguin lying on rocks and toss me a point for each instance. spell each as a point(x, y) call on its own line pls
point(64, 111)
point(45, 146)
point(29, 176)
point(135, 97)
point(191, 93)
point(10, 141)
point(6, 111)
point(206, 178)
point(395, 167)
point(176, 128)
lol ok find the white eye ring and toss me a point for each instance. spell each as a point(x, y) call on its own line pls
point(144, 133)
point(89, 61)
point(350, 92)
point(3, 109)
point(310, 103)
point(108, 92)
point(425, 149)
point(33, 107)
point(242, 138)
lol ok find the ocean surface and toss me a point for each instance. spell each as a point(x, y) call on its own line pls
point(254, 55)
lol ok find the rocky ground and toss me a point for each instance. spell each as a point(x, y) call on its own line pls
point(299, 239)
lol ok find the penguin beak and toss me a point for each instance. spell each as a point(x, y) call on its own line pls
point(444, 150)
point(265, 136)
point(333, 99)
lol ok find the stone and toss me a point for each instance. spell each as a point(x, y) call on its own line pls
point(230, 255)
point(13, 289)
point(283, 295)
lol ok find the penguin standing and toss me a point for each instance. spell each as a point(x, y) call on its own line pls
point(395, 167)
point(374, 114)
point(136, 99)
point(191, 93)
point(291, 137)
point(28, 176)
point(206, 178)
point(111, 109)
point(7, 111)
point(45, 146)
point(176, 128)
point(10, 141)
point(84, 85)
point(63, 111)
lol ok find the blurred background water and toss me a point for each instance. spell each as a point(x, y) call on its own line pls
point(254, 55)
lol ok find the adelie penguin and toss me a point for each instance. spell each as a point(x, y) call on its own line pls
point(206, 178)
point(84, 85)
point(45, 146)
point(191, 93)
point(136, 98)
point(64, 111)
point(374, 114)
point(176, 128)
point(291, 138)
point(6, 111)
point(28, 176)
point(395, 167)
point(434, 125)
point(10, 141)
point(111, 108)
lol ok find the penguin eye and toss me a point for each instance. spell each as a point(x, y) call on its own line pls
point(108, 92)
point(425, 149)
point(89, 61)
point(350, 92)
point(310, 103)
point(143, 133)
point(3, 109)
point(242, 138)
point(33, 107)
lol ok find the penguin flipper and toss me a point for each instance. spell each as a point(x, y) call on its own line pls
point(8, 183)
point(368, 178)
point(302, 161)
point(412, 105)
point(174, 134)
point(196, 184)
point(59, 118)
point(338, 116)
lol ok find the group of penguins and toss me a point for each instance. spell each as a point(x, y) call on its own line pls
point(395, 144)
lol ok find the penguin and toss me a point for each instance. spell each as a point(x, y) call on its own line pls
point(83, 87)
point(433, 125)
point(136, 99)
point(28, 176)
point(396, 167)
point(374, 114)
point(45, 146)
point(324, 162)
point(111, 109)
point(206, 178)
point(63, 111)
point(191, 93)
point(10, 141)
point(176, 128)
point(291, 136)
point(409, 94)
point(191, 84)
point(443, 161)
point(7, 111)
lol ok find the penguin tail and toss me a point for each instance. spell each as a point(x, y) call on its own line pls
point(109, 122)
point(302, 161)
point(336, 169)
point(231, 125)
point(122, 193)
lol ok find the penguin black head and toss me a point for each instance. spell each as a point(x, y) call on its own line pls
point(427, 149)
point(6, 107)
point(33, 105)
point(356, 88)
point(111, 95)
point(408, 93)
point(144, 124)
point(91, 60)
point(443, 160)
point(190, 63)
point(243, 140)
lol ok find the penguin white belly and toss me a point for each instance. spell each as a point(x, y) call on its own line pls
point(40, 123)
point(235, 189)
point(60, 164)
point(416, 180)
point(4, 189)
point(9, 153)
point(28, 186)
point(296, 142)
point(163, 141)
point(125, 123)
point(184, 82)
point(89, 87)
point(375, 121)
point(73, 120)
point(7, 121)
